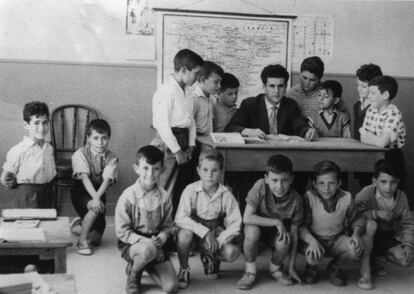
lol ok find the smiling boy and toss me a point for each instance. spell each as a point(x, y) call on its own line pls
point(94, 169)
point(30, 165)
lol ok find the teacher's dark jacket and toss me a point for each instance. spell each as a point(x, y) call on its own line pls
point(252, 114)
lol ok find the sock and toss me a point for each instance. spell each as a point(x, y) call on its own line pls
point(273, 267)
point(251, 267)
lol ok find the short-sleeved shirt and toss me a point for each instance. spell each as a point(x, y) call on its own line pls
point(309, 102)
point(30, 162)
point(333, 129)
point(222, 115)
point(97, 166)
point(203, 110)
point(389, 120)
point(287, 208)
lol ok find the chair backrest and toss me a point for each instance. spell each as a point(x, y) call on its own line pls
point(68, 128)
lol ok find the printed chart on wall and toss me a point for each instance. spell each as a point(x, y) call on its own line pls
point(242, 44)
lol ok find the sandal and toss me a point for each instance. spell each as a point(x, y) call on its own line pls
point(83, 249)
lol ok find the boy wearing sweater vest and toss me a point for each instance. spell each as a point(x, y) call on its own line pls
point(329, 215)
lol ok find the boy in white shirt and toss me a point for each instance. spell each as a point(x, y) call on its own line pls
point(30, 165)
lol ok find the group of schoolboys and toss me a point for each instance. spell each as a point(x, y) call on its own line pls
point(326, 222)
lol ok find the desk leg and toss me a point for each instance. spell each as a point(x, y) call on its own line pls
point(60, 260)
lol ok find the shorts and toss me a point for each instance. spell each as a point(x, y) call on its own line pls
point(383, 241)
point(268, 234)
point(124, 248)
point(80, 198)
point(33, 196)
point(332, 246)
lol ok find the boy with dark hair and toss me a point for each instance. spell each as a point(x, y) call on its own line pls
point(143, 223)
point(383, 124)
point(208, 84)
point(306, 92)
point(329, 214)
point(328, 121)
point(274, 212)
point(388, 207)
point(94, 168)
point(209, 215)
point(30, 165)
point(225, 107)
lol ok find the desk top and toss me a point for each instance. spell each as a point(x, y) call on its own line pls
point(57, 233)
point(332, 144)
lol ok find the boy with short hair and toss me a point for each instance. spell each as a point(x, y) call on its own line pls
point(30, 165)
point(306, 92)
point(225, 106)
point(172, 110)
point(208, 84)
point(329, 214)
point(274, 211)
point(388, 207)
point(328, 121)
point(209, 215)
point(383, 124)
point(143, 223)
point(94, 168)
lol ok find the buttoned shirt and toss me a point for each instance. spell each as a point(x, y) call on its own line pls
point(30, 162)
point(222, 115)
point(203, 110)
point(208, 208)
point(172, 108)
point(139, 211)
point(98, 167)
point(389, 120)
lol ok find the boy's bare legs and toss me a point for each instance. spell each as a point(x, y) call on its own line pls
point(184, 242)
point(250, 245)
point(142, 253)
point(87, 223)
point(278, 255)
point(164, 275)
point(229, 252)
point(365, 281)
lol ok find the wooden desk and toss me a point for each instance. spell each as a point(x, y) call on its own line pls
point(349, 154)
point(58, 238)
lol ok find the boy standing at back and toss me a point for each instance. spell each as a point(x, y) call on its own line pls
point(225, 107)
point(30, 165)
point(383, 124)
point(274, 212)
point(143, 224)
point(172, 110)
point(209, 215)
point(207, 85)
point(386, 205)
point(94, 169)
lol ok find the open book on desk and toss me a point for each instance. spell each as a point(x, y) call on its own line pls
point(229, 138)
point(269, 139)
point(28, 213)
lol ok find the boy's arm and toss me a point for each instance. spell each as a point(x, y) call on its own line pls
point(340, 106)
point(251, 218)
point(293, 252)
point(304, 229)
point(233, 219)
point(167, 223)
point(362, 203)
point(406, 235)
point(346, 126)
point(183, 215)
point(382, 140)
point(123, 222)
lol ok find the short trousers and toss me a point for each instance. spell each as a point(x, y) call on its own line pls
point(33, 196)
point(383, 241)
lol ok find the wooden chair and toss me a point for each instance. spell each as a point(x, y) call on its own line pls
point(68, 133)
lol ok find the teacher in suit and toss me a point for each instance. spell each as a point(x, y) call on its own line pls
point(271, 112)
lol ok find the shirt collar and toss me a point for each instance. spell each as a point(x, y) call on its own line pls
point(141, 192)
point(269, 106)
point(198, 91)
point(333, 111)
point(220, 190)
point(222, 104)
point(29, 142)
point(95, 154)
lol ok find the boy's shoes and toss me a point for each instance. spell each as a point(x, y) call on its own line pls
point(247, 281)
point(76, 226)
point(336, 275)
point(184, 277)
point(133, 281)
point(280, 276)
point(310, 276)
point(365, 283)
point(210, 263)
point(83, 249)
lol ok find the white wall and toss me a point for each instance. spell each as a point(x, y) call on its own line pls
point(94, 30)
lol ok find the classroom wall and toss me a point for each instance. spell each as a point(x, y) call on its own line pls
point(66, 52)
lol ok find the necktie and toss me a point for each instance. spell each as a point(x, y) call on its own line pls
point(273, 120)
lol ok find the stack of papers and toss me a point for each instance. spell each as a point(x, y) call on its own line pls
point(28, 213)
point(227, 138)
point(13, 234)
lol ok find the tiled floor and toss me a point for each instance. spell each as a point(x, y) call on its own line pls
point(104, 273)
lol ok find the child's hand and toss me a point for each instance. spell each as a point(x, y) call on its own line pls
point(311, 134)
point(408, 252)
point(158, 241)
point(293, 275)
point(253, 133)
point(181, 157)
point(10, 182)
point(189, 152)
point(315, 250)
point(384, 214)
point(282, 235)
point(210, 242)
point(356, 242)
point(96, 206)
